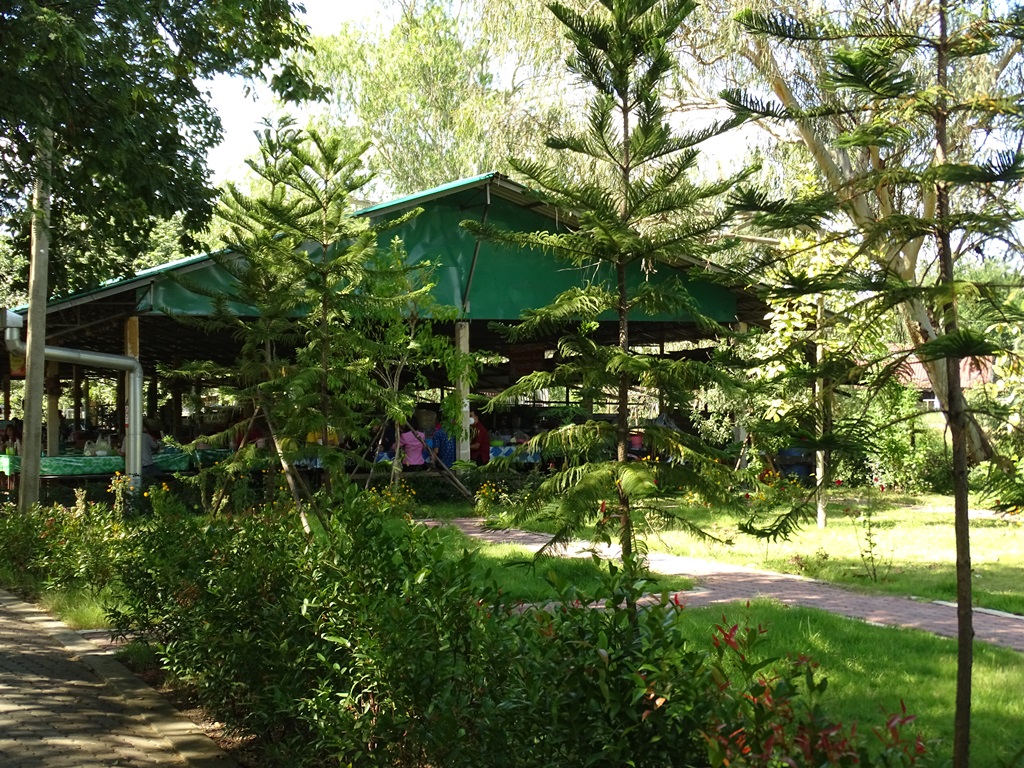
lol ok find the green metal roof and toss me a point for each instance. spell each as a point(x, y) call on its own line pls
point(487, 281)
point(412, 201)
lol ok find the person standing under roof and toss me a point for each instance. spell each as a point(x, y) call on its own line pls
point(479, 440)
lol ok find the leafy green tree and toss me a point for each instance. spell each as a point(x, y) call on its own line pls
point(336, 329)
point(638, 214)
point(443, 92)
point(118, 84)
point(105, 126)
point(913, 117)
point(855, 152)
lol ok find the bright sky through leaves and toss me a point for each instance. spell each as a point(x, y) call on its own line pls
point(241, 115)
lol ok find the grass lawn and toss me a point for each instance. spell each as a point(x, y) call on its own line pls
point(913, 551)
point(872, 668)
point(523, 577)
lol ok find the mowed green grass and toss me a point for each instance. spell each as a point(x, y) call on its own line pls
point(522, 576)
point(871, 670)
point(914, 549)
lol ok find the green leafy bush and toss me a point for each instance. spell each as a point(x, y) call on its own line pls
point(63, 548)
point(370, 644)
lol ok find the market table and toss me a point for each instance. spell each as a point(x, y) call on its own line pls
point(80, 466)
point(509, 451)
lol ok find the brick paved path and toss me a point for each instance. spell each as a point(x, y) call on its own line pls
point(65, 703)
point(721, 583)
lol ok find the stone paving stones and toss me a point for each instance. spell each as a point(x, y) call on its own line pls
point(66, 703)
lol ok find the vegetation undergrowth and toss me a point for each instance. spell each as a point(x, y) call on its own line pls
point(890, 667)
point(373, 644)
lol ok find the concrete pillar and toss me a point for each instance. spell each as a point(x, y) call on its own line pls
point(76, 397)
point(120, 400)
point(176, 411)
point(52, 408)
point(131, 349)
point(462, 387)
point(152, 396)
point(87, 407)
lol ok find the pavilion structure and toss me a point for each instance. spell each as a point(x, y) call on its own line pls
point(486, 282)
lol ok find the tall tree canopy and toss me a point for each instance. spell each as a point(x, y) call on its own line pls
point(912, 115)
point(104, 128)
point(118, 83)
point(446, 91)
point(640, 211)
point(874, 151)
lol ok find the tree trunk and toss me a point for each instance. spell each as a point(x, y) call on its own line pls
point(956, 411)
point(622, 443)
point(823, 402)
point(622, 417)
point(921, 329)
point(35, 364)
point(839, 174)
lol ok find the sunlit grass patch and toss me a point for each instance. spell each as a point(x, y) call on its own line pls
point(871, 668)
point(522, 576)
point(79, 608)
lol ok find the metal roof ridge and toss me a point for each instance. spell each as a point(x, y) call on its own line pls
point(409, 201)
point(119, 284)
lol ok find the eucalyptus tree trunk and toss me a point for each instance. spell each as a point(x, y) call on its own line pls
point(35, 364)
point(838, 171)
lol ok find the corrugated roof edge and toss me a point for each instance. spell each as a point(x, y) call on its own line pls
point(411, 201)
point(401, 203)
point(114, 286)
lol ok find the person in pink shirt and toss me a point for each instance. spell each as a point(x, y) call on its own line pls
point(411, 442)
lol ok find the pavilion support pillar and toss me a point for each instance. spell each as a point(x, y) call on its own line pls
point(462, 388)
point(131, 349)
point(176, 412)
point(76, 397)
point(119, 402)
point(7, 397)
point(52, 389)
point(87, 406)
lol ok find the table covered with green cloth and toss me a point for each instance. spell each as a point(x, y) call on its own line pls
point(59, 466)
point(67, 465)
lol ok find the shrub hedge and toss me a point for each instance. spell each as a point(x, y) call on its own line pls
point(368, 644)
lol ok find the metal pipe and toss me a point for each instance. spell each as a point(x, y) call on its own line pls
point(13, 323)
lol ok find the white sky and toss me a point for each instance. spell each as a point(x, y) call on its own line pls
point(241, 116)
